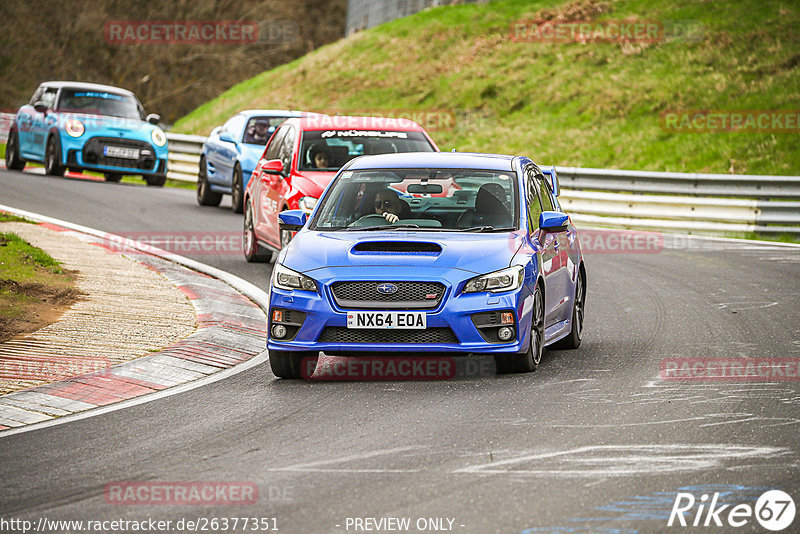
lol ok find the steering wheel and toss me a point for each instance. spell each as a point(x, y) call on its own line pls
point(367, 218)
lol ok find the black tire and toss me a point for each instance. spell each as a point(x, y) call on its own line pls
point(253, 252)
point(205, 196)
point(112, 177)
point(52, 157)
point(293, 364)
point(156, 180)
point(13, 160)
point(573, 339)
point(528, 361)
point(237, 190)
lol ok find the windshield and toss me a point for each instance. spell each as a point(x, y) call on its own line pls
point(99, 103)
point(465, 200)
point(260, 129)
point(329, 150)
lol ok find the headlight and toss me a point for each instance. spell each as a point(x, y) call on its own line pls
point(505, 280)
point(74, 128)
point(284, 278)
point(158, 137)
point(307, 204)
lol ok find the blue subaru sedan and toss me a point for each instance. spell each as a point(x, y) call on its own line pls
point(429, 253)
point(231, 152)
point(86, 126)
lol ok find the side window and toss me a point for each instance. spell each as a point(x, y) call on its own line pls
point(49, 98)
point(37, 95)
point(274, 145)
point(544, 191)
point(532, 195)
point(287, 147)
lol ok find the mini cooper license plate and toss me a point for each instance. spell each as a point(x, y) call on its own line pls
point(387, 320)
point(121, 152)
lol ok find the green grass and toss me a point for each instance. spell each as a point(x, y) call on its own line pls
point(8, 217)
point(2, 150)
point(21, 261)
point(576, 104)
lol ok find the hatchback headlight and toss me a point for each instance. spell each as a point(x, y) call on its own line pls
point(505, 280)
point(307, 204)
point(158, 136)
point(284, 278)
point(74, 128)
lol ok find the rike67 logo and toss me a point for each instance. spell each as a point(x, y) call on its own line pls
point(774, 510)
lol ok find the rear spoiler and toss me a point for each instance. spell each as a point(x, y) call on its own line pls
point(553, 175)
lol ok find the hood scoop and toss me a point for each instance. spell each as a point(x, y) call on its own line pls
point(397, 247)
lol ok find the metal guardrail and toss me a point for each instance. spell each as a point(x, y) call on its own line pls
point(687, 202)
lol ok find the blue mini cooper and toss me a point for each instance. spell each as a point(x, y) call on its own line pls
point(429, 253)
point(85, 126)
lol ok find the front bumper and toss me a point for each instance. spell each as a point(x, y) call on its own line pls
point(88, 153)
point(321, 324)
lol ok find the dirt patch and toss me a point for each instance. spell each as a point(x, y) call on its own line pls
point(579, 10)
point(39, 305)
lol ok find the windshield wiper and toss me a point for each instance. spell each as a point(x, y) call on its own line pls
point(487, 228)
point(381, 227)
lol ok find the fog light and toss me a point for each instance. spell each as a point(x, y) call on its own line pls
point(278, 331)
point(505, 333)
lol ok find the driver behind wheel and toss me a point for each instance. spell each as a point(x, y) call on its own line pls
point(390, 206)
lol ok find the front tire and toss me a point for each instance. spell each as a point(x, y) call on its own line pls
point(573, 339)
point(13, 160)
point(529, 360)
point(205, 196)
point(237, 191)
point(112, 177)
point(156, 180)
point(287, 364)
point(52, 157)
point(253, 252)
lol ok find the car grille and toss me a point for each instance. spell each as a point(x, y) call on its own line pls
point(93, 153)
point(339, 334)
point(409, 295)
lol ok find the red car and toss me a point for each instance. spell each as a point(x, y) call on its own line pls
point(302, 157)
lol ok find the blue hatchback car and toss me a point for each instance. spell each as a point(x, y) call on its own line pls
point(432, 253)
point(231, 152)
point(86, 126)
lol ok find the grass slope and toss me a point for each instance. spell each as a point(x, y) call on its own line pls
point(588, 104)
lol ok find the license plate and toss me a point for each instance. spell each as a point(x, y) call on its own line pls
point(121, 152)
point(387, 320)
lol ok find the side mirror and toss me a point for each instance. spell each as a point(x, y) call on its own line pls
point(153, 118)
point(273, 166)
point(553, 221)
point(292, 220)
point(227, 137)
point(553, 176)
point(41, 107)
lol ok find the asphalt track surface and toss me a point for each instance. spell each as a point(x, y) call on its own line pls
point(594, 441)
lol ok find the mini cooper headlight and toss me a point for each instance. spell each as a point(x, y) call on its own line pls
point(505, 280)
point(284, 278)
point(74, 128)
point(158, 137)
point(307, 204)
